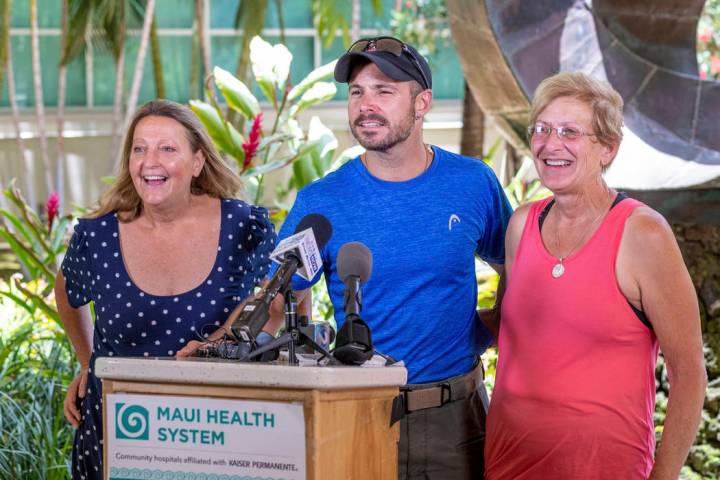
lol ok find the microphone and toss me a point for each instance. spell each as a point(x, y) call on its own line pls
point(354, 340)
point(311, 234)
point(354, 265)
point(299, 251)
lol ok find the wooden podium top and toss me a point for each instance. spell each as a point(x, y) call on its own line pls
point(214, 371)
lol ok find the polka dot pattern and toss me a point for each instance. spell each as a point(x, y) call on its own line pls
point(133, 323)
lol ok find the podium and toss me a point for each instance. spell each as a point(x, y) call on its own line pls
point(204, 418)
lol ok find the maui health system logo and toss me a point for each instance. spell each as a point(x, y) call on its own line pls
point(132, 422)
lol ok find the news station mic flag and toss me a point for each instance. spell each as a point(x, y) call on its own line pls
point(299, 253)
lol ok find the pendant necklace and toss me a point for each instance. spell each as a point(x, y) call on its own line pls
point(559, 269)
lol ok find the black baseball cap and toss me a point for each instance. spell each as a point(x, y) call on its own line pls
point(394, 58)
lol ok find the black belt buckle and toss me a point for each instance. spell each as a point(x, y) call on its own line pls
point(445, 387)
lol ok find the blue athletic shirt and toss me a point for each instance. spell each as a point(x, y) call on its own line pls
point(420, 300)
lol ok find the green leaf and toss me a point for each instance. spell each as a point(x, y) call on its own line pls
point(223, 134)
point(251, 186)
point(324, 72)
point(323, 136)
point(236, 93)
point(271, 139)
point(18, 224)
point(270, 63)
point(30, 218)
point(24, 254)
point(58, 244)
point(279, 163)
point(318, 93)
point(303, 171)
point(39, 302)
point(269, 167)
point(18, 301)
point(345, 156)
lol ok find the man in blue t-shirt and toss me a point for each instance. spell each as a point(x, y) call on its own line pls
point(424, 213)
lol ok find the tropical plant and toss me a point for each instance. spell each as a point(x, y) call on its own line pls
point(38, 246)
point(36, 363)
point(708, 41)
point(258, 153)
point(36, 359)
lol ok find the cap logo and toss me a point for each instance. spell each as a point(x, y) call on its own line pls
point(371, 46)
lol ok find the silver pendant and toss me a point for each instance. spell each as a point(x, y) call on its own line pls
point(558, 270)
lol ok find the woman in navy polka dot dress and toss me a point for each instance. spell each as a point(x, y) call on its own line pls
point(165, 258)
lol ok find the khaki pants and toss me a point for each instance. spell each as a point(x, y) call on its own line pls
point(444, 442)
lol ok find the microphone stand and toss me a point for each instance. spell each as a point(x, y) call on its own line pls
point(293, 336)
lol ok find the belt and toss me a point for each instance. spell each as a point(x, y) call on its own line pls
point(422, 396)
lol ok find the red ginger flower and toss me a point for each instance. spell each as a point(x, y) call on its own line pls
point(715, 64)
point(250, 147)
point(705, 36)
point(52, 208)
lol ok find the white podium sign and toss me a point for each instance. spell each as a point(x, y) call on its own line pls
point(155, 436)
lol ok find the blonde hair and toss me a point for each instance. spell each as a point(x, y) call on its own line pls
point(216, 179)
point(605, 102)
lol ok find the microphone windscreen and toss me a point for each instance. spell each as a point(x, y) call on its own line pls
point(354, 259)
point(322, 230)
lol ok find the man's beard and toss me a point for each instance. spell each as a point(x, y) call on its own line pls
point(397, 133)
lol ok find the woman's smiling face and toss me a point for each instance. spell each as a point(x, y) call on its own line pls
point(568, 163)
point(162, 163)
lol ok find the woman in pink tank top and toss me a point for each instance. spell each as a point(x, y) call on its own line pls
point(595, 285)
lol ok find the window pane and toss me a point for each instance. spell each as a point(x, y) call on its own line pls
point(336, 50)
point(296, 14)
point(175, 13)
point(147, 85)
point(176, 55)
point(103, 78)
point(222, 13)
point(22, 70)
point(448, 78)
point(48, 12)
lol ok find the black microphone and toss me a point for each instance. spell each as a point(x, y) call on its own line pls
point(354, 340)
point(304, 253)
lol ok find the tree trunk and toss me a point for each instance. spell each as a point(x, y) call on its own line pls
point(28, 162)
point(62, 84)
point(39, 103)
point(140, 62)
point(204, 40)
point(157, 60)
point(200, 56)
point(472, 135)
point(5, 12)
point(355, 28)
point(117, 105)
point(512, 164)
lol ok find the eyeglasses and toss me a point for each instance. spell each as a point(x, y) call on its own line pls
point(564, 132)
point(391, 45)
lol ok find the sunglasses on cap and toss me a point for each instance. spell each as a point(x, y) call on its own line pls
point(390, 45)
